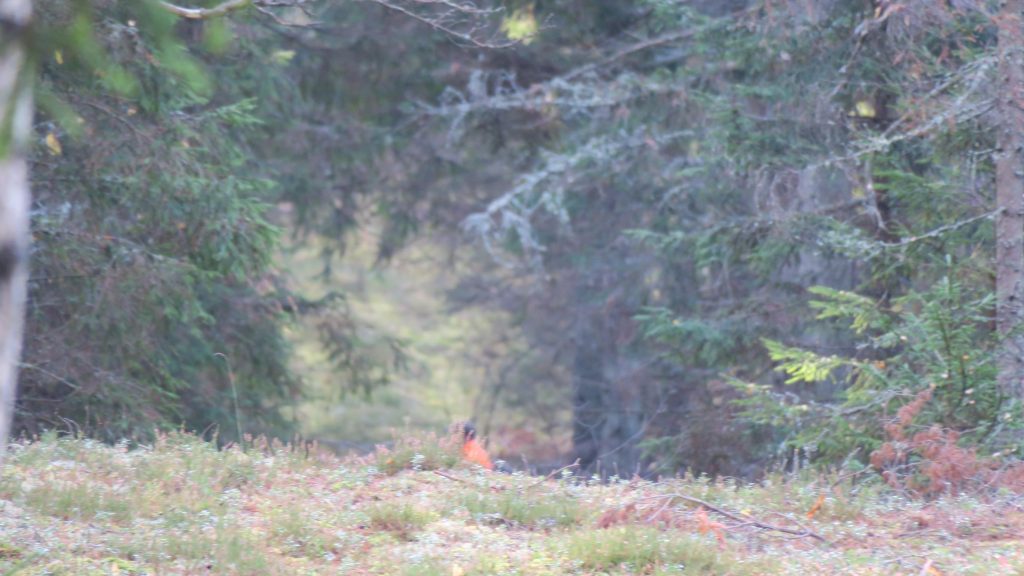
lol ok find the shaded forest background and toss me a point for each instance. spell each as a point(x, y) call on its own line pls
point(653, 235)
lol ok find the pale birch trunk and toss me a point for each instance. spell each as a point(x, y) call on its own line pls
point(15, 129)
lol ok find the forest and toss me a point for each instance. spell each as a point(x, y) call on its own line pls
point(759, 242)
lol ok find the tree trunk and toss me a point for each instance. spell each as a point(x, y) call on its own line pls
point(15, 128)
point(1010, 199)
point(608, 418)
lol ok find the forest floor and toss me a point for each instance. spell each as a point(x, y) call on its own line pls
point(179, 506)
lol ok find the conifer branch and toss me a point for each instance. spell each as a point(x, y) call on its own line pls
point(941, 230)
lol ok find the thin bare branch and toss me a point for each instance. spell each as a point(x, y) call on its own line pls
point(205, 13)
point(450, 477)
point(941, 230)
point(654, 42)
point(632, 49)
point(464, 7)
point(803, 531)
point(554, 473)
point(462, 21)
point(225, 8)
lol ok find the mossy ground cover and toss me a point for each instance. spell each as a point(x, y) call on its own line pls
point(180, 506)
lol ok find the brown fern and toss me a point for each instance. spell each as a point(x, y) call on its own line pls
point(931, 462)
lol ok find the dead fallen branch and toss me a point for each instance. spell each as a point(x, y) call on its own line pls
point(575, 464)
point(746, 520)
point(450, 477)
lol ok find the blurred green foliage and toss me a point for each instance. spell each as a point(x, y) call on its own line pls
point(713, 231)
point(153, 286)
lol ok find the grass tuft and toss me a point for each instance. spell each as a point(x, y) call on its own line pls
point(401, 519)
point(643, 549)
point(429, 452)
point(514, 509)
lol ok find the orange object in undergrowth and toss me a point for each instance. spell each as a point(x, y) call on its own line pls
point(473, 452)
point(817, 506)
point(706, 524)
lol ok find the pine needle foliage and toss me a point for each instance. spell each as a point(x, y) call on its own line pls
point(154, 300)
point(939, 339)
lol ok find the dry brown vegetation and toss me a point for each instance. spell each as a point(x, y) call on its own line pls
point(930, 462)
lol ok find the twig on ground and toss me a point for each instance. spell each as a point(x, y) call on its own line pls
point(450, 477)
point(804, 531)
point(657, 513)
point(575, 464)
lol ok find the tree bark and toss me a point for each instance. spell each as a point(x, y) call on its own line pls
point(1010, 200)
point(15, 128)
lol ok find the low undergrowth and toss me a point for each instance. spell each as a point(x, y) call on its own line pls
point(930, 461)
point(510, 508)
point(645, 549)
point(180, 506)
